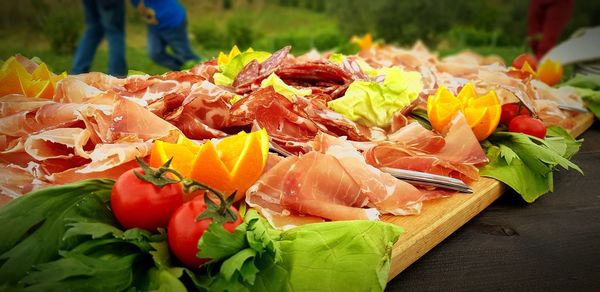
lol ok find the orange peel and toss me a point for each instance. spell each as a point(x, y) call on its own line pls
point(233, 164)
point(482, 112)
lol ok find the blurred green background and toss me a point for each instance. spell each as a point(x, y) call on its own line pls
point(50, 29)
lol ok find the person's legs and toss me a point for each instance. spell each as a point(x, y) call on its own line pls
point(556, 17)
point(84, 55)
point(534, 23)
point(178, 40)
point(157, 50)
point(112, 14)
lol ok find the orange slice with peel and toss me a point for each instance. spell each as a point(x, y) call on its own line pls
point(39, 88)
point(183, 153)
point(234, 164)
point(14, 79)
point(210, 170)
point(482, 112)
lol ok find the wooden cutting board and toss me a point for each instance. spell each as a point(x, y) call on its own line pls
point(439, 218)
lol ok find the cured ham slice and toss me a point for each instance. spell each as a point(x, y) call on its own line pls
point(58, 143)
point(282, 119)
point(107, 156)
point(75, 174)
point(421, 150)
point(321, 77)
point(15, 103)
point(296, 186)
point(415, 136)
point(203, 111)
point(73, 90)
point(48, 116)
point(100, 81)
point(386, 193)
point(15, 181)
point(335, 183)
point(127, 121)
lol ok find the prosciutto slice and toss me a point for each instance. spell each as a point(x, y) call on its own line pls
point(296, 187)
point(416, 148)
point(332, 183)
point(15, 103)
point(386, 193)
point(58, 143)
point(127, 121)
point(47, 116)
point(203, 112)
point(282, 119)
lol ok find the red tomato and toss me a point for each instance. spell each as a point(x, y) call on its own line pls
point(137, 203)
point(522, 58)
point(528, 125)
point(184, 231)
point(519, 74)
point(510, 111)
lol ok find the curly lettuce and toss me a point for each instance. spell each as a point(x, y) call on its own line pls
point(374, 104)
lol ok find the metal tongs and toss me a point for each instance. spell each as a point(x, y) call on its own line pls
point(428, 179)
point(410, 176)
point(572, 108)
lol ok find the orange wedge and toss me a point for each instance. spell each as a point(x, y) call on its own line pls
point(42, 72)
point(234, 164)
point(183, 154)
point(482, 113)
point(210, 170)
point(550, 72)
point(39, 88)
point(14, 79)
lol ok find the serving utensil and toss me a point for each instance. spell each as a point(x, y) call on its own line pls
point(410, 176)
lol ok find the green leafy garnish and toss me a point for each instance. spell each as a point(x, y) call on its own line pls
point(420, 115)
point(526, 163)
point(588, 88)
point(331, 256)
point(373, 103)
point(280, 87)
point(33, 226)
point(66, 239)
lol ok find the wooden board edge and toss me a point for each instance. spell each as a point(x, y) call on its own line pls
point(427, 239)
point(582, 123)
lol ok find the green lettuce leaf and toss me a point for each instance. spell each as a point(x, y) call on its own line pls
point(584, 81)
point(280, 87)
point(374, 104)
point(526, 163)
point(591, 98)
point(229, 71)
point(337, 58)
point(33, 226)
point(588, 87)
point(331, 256)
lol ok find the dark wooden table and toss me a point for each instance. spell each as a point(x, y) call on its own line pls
point(550, 245)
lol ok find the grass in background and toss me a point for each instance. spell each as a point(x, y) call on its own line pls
point(272, 26)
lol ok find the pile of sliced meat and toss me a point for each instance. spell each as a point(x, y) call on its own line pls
point(96, 125)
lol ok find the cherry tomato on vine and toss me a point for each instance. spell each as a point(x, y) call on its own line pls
point(144, 198)
point(511, 110)
point(527, 125)
point(520, 60)
point(184, 231)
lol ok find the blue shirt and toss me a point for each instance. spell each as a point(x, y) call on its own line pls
point(162, 13)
